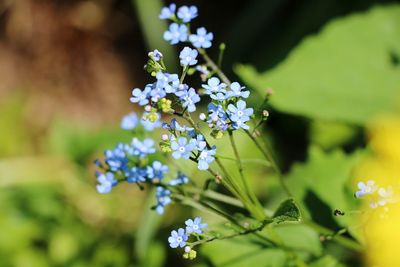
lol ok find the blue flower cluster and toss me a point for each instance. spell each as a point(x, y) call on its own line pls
point(131, 163)
point(179, 29)
point(185, 143)
point(121, 163)
point(227, 110)
point(178, 238)
point(154, 96)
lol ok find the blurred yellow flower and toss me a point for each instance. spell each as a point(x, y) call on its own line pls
point(380, 225)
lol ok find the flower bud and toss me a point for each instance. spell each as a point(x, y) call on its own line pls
point(202, 116)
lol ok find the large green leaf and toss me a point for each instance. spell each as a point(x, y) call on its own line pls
point(348, 72)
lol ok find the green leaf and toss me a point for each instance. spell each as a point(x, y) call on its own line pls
point(326, 261)
point(145, 233)
point(287, 212)
point(242, 253)
point(329, 134)
point(155, 255)
point(345, 73)
point(320, 185)
point(300, 237)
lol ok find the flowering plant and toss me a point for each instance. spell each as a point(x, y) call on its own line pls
point(172, 105)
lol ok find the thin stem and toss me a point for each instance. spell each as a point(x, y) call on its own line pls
point(222, 198)
point(234, 186)
point(250, 192)
point(245, 232)
point(344, 241)
point(216, 196)
point(221, 54)
point(185, 70)
point(214, 66)
point(225, 182)
point(268, 156)
point(255, 161)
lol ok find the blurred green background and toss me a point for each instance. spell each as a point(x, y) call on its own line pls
point(66, 71)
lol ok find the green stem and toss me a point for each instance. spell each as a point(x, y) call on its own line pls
point(234, 186)
point(216, 196)
point(248, 190)
point(344, 241)
point(221, 54)
point(255, 161)
point(268, 156)
point(214, 66)
point(185, 70)
point(245, 232)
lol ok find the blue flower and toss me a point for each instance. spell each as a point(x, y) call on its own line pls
point(157, 170)
point(236, 91)
point(136, 175)
point(214, 86)
point(163, 199)
point(116, 159)
point(178, 238)
point(221, 125)
point(157, 93)
point(181, 148)
point(216, 112)
point(169, 82)
point(195, 226)
point(155, 55)
point(205, 158)
point(141, 97)
point(202, 39)
point(199, 142)
point(241, 123)
point(106, 182)
point(217, 117)
point(129, 121)
point(186, 14)
point(142, 149)
point(180, 180)
point(240, 112)
point(220, 96)
point(168, 12)
point(176, 33)
point(148, 125)
point(188, 56)
point(189, 99)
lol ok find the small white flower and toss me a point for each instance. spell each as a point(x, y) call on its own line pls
point(385, 196)
point(367, 188)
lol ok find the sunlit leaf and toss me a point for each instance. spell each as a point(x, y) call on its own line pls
point(345, 73)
